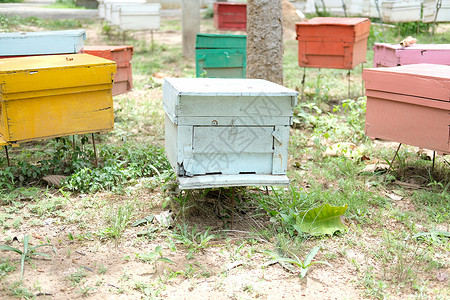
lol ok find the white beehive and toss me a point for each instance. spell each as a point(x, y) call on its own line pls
point(138, 16)
point(105, 7)
point(401, 11)
point(429, 11)
point(227, 132)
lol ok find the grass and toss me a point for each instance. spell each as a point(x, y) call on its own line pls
point(395, 247)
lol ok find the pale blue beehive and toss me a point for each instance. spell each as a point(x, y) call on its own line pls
point(41, 43)
point(227, 132)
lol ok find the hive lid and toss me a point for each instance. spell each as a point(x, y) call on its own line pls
point(414, 46)
point(51, 72)
point(333, 21)
point(220, 41)
point(108, 48)
point(43, 42)
point(110, 52)
point(138, 9)
point(228, 87)
point(420, 80)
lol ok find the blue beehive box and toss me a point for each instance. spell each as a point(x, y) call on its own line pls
point(227, 132)
point(41, 43)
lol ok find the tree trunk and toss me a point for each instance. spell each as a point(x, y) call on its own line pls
point(265, 40)
point(190, 23)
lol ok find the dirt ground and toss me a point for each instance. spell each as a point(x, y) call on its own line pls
point(85, 266)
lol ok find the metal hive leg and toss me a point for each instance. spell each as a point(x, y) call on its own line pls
point(303, 82)
point(362, 80)
point(7, 156)
point(348, 77)
point(392, 161)
point(232, 207)
point(434, 159)
point(95, 151)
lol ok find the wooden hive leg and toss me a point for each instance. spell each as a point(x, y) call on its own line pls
point(95, 151)
point(392, 161)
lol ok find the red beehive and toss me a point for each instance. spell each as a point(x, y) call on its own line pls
point(230, 16)
point(123, 80)
point(409, 104)
point(337, 43)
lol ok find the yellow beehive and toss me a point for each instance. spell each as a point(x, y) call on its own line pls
point(55, 95)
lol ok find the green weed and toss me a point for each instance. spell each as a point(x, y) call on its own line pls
point(18, 289)
point(295, 260)
point(192, 239)
point(77, 277)
point(118, 218)
point(27, 252)
point(153, 257)
point(6, 267)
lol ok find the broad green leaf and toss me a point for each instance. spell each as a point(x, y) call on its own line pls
point(325, 219)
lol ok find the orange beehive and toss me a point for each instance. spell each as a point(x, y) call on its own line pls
point(409, 104)
point(337, 43)
point(123, 79)
point(230, 16)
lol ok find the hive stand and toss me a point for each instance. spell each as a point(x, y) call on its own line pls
point(336, 43)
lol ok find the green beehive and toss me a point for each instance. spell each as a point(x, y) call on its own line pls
point(221, 55)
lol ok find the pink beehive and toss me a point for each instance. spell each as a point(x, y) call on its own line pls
point(409, 104)
point(392, 55)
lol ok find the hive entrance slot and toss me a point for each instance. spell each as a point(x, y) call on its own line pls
point(247, 172)
point(214, 173)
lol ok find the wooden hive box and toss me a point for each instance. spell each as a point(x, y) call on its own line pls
point(392, 55)
point(114, 9)
point(409, 104)
point(139, 16)
point(56, 95)
point(41, 43)
point(230, 16)
point(221, 55)
point(429, 11)
point(227, 132)
point(122, 55)
point(337, 43)
point(401, 11)
point(110, 3)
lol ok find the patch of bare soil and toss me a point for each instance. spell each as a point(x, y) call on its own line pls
point(87, 267)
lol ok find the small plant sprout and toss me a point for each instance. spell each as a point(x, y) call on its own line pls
point(27, 252)
point(277, 258)
point(153, 257)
